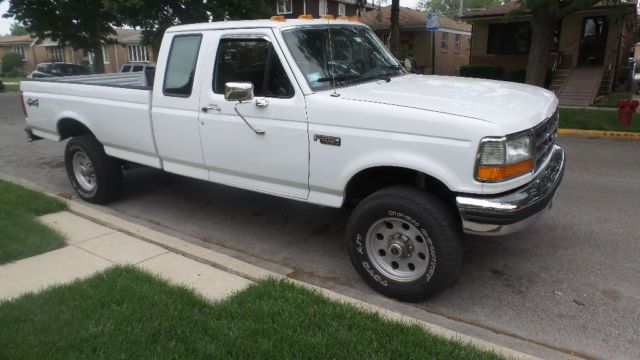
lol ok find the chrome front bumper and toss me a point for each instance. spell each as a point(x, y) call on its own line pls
point(513, 211)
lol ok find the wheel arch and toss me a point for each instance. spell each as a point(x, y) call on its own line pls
point(371, 179)
point(71, 126)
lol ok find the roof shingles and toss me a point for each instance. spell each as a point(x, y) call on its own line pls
point(381, 19)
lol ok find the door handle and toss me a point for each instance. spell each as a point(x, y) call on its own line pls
point(262, 103)
point(211, 107)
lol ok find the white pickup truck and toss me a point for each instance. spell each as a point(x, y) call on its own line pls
point(319, 111)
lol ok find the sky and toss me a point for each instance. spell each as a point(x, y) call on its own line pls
point(6, 23)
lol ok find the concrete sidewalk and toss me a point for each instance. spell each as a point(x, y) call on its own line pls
point(92, 248)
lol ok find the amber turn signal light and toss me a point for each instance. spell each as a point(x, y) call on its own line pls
point(504, 172)
point(278, 18)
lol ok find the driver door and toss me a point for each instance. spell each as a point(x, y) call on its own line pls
point(276, 161)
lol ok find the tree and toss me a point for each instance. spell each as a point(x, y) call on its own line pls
point(395, 28)
point(11, 62)
point(82, 24)
point(18, 29)
point(155, 16)
point(450, 8)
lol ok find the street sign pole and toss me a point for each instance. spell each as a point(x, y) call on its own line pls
point(432, 26)
point(433, 53)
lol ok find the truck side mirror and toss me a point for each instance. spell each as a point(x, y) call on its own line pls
point(238, 91)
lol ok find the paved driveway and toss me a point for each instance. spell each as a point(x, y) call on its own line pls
point(571, 282)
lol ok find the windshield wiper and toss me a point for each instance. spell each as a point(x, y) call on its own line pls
point(339, 78)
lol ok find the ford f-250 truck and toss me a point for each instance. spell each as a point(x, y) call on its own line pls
point(319, 111)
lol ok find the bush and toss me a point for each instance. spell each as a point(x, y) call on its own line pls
point(520, 76)
point(482, 71)
point(517, 75)
point(11, 62)
point(2, 74)
point(12, 74)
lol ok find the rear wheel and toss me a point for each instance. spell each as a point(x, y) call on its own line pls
point(95, 176)
point(405, 243)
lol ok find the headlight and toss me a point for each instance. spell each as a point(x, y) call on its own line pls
point(500, 159)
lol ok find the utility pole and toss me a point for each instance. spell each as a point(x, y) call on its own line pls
point(460, 9)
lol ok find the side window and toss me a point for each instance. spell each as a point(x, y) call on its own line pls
point(126, 68)
point(181, 65)
point(254, 61)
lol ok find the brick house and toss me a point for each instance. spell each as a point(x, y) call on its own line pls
point(126, 48)
point(589, 53)
point(452, 40)
point(294, 8)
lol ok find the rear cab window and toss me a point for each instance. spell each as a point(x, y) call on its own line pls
point(181, 65)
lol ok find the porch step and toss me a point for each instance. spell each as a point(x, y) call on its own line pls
point(580, 87)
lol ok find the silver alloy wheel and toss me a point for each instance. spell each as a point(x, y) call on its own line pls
point(397, 249)
point(83, 171)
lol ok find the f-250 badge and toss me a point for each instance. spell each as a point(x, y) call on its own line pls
point(327, 140)
point(33, 102)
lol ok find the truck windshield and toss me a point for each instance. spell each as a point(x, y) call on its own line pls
point(340, 55)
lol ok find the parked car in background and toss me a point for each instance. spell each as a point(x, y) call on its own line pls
point(136, 67)
point(45, 70)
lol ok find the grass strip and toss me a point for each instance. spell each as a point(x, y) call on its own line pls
point(588, 119)
point(611, 100)
point(126, 313)
point(21, 234)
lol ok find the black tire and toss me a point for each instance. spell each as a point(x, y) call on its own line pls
point(107, 170)
point(422, 213)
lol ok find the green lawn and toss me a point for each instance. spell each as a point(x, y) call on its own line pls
point(124, 313)
point(611, 100)
point(11, 84)
point(21, 235)
point(595, 120)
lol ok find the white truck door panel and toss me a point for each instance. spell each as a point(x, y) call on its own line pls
point(275, 162)
point(176, 103)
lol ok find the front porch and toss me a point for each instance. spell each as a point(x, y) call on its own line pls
point(589, 53)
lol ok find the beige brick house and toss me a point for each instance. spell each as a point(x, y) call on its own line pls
point(589, 53)
point(452, 40)
point(126, 48)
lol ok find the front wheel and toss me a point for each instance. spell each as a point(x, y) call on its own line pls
point(95, 176)
point(405, 243)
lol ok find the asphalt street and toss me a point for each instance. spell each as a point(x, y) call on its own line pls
point(571, 282)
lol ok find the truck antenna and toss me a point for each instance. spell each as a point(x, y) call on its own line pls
point(333, 74)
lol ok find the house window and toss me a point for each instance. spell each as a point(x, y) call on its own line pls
point(284, 7)
point(509, 38)
point(342, 9)
point(55, 54)
point(137, 53)
point(105, 56)
point(322, 7)
point(444, 42)
point(457, 44)
point(19, 50)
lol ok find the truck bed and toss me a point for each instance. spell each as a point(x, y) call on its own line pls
point(136, 80)
point(116, 108)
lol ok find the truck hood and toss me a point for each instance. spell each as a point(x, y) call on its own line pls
point(511, 106)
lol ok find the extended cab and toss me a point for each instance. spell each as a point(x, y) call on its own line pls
point(319, 111)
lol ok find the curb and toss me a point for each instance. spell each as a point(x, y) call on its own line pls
point(255, 273)
point(600, 134)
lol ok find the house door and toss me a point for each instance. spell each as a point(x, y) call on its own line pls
point(593, 40)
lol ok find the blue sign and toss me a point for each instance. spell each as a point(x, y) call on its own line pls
point(432, 22)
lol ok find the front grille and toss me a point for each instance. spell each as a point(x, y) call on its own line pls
point(545, 136)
